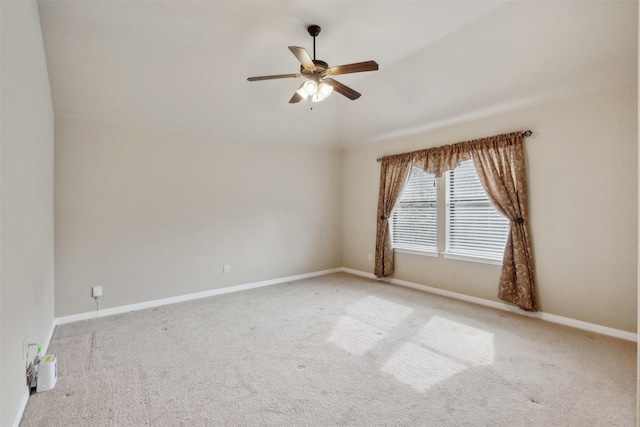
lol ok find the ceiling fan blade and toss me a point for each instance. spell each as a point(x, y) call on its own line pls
point(303, 57)
point(277, 76)
point(343, 90)
point(353, 68)
point(295, 98)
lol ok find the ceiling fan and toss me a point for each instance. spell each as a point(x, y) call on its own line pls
point(318, 85)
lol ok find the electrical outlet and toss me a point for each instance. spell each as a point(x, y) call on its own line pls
point(370, 257)
point(25, 347)
point(96, 291)
point(225, 269)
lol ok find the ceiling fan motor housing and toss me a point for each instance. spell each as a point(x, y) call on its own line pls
point(321, 67)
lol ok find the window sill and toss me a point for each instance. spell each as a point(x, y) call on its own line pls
point(472, 258)
point(416, 252)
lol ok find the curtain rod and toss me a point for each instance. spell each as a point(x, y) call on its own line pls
point(525, 134)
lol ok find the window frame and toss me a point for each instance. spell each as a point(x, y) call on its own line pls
point(434, 252)
point(487, 257)
point(443, 223)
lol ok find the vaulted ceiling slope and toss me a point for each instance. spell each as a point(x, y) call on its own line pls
point(183, 64)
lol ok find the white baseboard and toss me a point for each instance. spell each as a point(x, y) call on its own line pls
point(188, 297)
point(21, 408)
point(591, 327)
point(579, 324)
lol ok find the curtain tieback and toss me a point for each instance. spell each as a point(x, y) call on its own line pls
point(383, 217)
point(518, 221)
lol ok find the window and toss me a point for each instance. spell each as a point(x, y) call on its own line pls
point(474, 227)
point(414, 221)
point(470, 226)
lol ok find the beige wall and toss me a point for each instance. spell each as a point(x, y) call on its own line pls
point(582, 173)
point(26, 198)
point(149, 213)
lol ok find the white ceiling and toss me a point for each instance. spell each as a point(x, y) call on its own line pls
point(183, 64)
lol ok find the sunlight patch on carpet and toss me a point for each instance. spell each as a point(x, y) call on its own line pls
point(369, 321)
point(421, 368)
point(379, 312)
point(355, 336)
point(458, 341)
point(441, 349)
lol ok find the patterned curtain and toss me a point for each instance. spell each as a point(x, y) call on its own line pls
point(394, 174)
point(499, 162)
point(438, 160)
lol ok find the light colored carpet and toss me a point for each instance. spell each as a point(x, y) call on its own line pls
point(336, 350)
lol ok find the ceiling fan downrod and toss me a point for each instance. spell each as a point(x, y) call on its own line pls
point(314, 30)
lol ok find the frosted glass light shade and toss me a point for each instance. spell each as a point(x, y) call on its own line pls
point(310, 87)
point(324, 90)
point(302, 93)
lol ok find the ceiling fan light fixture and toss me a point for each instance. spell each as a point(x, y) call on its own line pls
point(310, 87)
point(302, 93)
point(324, 90)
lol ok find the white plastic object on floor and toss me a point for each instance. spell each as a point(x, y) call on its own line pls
point(47, 373)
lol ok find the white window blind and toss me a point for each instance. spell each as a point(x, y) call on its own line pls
point(414, 221)
point(474, 227)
